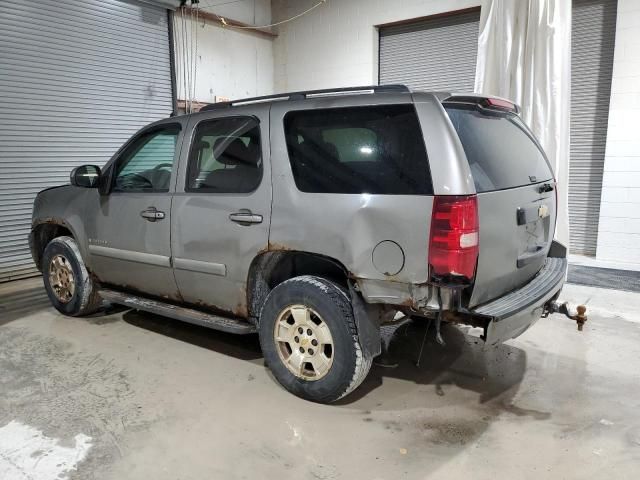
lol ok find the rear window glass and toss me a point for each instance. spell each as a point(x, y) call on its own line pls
point(500, 150)
point(376, 150)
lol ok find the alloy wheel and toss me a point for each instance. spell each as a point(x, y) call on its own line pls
point(304, 342)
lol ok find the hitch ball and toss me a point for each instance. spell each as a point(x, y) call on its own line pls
point(580, 317)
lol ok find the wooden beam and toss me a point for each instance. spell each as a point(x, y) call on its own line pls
point(182, 105)
point(230, 22)
point(409, 21)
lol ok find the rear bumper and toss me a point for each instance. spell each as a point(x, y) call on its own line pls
point(511, 315)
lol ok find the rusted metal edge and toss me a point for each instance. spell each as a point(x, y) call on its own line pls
point(189, 315)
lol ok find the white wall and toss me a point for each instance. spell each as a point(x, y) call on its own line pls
point(336, 45)
point(619, 228)
point(230, 63)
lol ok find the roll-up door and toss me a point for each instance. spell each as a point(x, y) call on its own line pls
point(433, 54)
point(78, 77)
point(592, 45)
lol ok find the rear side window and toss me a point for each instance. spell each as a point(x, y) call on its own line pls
point(500, 149)
point(225, 156)
point(373, 149)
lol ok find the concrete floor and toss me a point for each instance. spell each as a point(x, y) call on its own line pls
point(128, 395)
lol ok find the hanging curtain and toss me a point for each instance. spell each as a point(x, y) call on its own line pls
point(524, 54)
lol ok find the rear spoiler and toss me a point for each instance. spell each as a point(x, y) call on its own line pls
point(483, 101)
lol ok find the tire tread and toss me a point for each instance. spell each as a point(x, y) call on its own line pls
point(340, 298)
point(90, 301)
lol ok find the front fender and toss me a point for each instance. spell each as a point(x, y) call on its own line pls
point(65, 207)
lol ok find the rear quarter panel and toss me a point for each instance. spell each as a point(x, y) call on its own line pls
point(346, 227)
point(450, 171)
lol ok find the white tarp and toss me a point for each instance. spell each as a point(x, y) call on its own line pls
point(524, 54)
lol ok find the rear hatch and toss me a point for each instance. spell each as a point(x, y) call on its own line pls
point(516, 195)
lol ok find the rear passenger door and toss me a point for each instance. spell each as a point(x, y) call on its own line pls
point(222, 207)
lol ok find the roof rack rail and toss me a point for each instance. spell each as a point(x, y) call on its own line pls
point(309, 94)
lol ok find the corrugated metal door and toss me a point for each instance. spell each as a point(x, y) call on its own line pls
point(433, 54)
point(77, 77)
point(592, 39)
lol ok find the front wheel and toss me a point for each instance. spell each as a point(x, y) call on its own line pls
point(309, 339)
point(66, 279)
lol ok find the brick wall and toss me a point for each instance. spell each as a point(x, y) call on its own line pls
point(336, 45)
point(231, 63)
point(619, 227)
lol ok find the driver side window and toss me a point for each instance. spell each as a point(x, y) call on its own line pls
point(146, 165)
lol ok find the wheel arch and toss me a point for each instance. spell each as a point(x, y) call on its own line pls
point(43, 232)
point(271, 268)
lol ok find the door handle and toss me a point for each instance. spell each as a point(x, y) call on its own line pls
point(152, 214)
point(245, 217)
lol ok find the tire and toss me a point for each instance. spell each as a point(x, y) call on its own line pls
point(83, 298)
point(327, 304)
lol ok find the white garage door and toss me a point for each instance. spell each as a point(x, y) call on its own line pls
point(433, 54)
point(592, 45)
point(78, 77)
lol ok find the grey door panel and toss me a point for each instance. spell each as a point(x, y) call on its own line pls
point(129, 229)
point(125, 249)
point(216, 236)
point(130, 256)
point(211, 268)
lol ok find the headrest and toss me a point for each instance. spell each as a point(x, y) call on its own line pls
point(230, 153)
point(331, 150)
point(235, 152)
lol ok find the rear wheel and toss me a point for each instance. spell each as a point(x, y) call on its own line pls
point(66, 279)
point(309, 339)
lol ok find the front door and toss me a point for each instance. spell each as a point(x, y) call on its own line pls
point(221, 210)
point(129, 229)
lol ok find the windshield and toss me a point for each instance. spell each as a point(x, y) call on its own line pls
point(500, 149)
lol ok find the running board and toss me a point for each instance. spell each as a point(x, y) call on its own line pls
point(197, 317)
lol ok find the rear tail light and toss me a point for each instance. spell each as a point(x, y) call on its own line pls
point(453, 240)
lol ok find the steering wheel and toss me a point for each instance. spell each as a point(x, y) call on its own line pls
point(133, 178)
point(163, 165)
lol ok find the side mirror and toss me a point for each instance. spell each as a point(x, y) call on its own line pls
point(85, 176)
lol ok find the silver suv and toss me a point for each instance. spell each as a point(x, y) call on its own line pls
point(312, 218)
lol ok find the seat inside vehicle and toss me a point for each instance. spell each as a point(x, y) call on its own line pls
point(237, 166)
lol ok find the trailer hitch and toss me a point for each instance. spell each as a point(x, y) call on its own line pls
point(580, 316)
